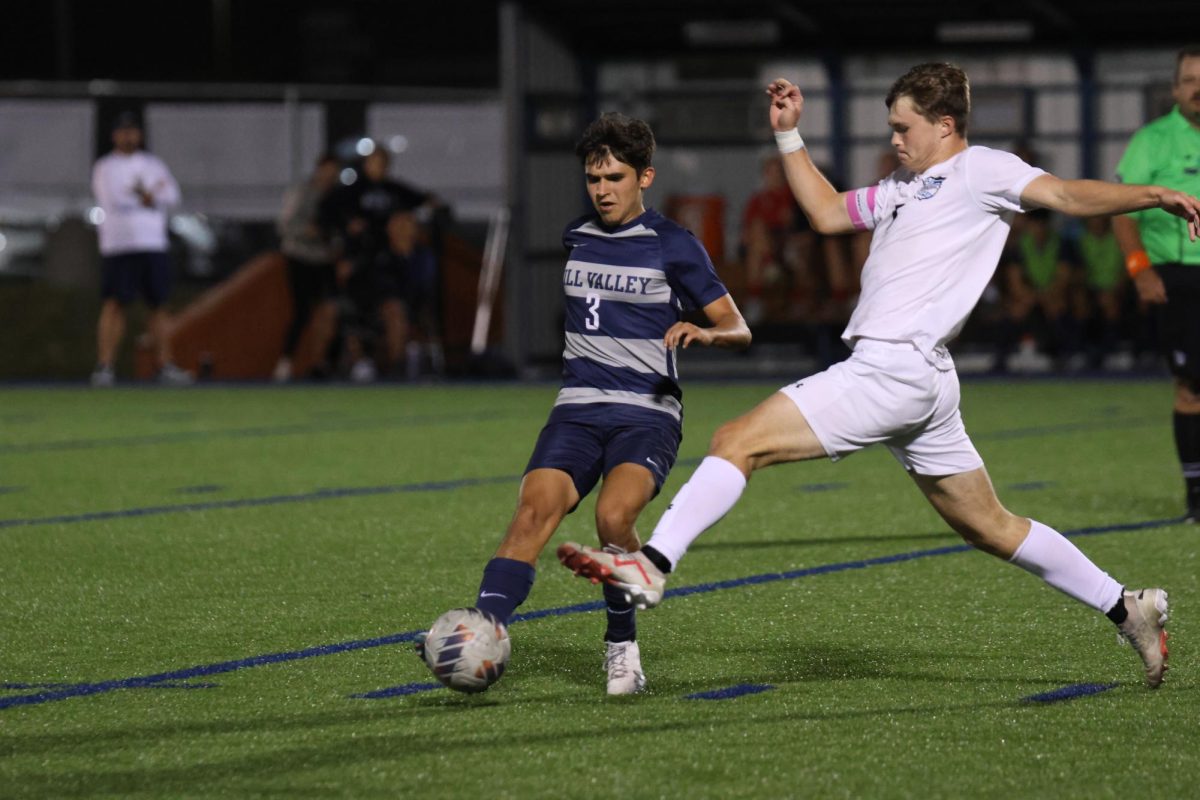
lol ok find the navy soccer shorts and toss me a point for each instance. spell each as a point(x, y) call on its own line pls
point(587, 441)
point(126, 275)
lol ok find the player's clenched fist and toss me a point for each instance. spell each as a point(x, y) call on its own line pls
point(786, 104)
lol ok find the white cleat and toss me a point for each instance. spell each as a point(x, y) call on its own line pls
point(103, 377)
point(363, 371)
point(1145, 630)
point(171, 375)
point(633, 573)
point(623, 663)
point(283, 371)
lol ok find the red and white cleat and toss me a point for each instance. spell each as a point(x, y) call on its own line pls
point(1145, 630)
point(633, 573)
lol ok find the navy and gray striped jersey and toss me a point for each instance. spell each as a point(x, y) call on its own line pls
point(624, 287)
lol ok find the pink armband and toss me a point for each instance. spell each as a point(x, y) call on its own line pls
point(861, 205)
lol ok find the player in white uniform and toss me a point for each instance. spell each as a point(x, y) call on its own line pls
point(939, 224)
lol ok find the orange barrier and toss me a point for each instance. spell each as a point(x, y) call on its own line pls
point(704, 216)
point(234, 330)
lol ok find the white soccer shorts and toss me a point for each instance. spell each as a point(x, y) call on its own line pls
point(887, 392)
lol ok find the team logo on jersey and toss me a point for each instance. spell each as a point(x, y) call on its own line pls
point(930, 186)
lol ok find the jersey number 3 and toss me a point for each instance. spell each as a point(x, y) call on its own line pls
point(592, 323)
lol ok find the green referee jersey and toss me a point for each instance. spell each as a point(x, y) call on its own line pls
point(1166, 152)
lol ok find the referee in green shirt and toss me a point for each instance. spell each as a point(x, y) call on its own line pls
point(1163, 262)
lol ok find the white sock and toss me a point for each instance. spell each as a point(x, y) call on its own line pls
point(1047, 554)
point(708, 495)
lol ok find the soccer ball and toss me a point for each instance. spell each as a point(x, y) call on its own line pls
point(467, 649)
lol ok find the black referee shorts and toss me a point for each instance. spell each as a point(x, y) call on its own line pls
point(1179, 321)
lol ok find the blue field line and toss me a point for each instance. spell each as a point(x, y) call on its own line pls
point(365, 491)
point(578, 608)
point(250, 502)
point(86, 689)
point(295, 429)
point(164, 685)
point(398, 691)
point(824, 569)
point(256, 431)
point(314, 496)
point(730, 692)
point(304, 497)
point(1069, 692)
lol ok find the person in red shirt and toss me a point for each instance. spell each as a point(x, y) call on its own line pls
point(768, 220)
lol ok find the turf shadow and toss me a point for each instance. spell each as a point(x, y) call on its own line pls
point(818, 662)
point(272, 767)
point(137, 736)
point(580, 664)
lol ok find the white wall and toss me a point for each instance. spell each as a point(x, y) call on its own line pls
point(1130, 81)
point(45, 157)
point(455, 150)
point(235, 160)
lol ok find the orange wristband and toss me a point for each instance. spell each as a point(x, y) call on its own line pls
point(1137, 263)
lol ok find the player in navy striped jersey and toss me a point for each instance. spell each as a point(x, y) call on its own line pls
point(630, 274)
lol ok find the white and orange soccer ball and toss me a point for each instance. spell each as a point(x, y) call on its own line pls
point(467, 649)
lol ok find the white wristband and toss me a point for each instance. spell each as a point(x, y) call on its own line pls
point(789, 141)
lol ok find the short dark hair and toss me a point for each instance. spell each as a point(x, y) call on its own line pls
point(126, 119)
point(626, 139)
point(936, 90)
point(1191, 51)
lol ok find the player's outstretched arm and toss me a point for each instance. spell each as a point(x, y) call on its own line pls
point(1087, 198)
point(728, 329)
point(824, 206)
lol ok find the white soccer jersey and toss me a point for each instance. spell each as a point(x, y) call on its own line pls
point(129, 226)
point(938, 238)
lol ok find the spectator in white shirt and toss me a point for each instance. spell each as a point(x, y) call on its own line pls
point(135, 192)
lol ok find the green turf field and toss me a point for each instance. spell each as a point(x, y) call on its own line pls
point(208, 593)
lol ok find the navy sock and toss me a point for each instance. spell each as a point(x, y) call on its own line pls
point(505, 585)
point(657, 559)
point(1118, 613)
point(622, 624)
point(1187, 445)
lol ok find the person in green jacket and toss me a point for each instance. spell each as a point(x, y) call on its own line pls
point(1163, 262)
